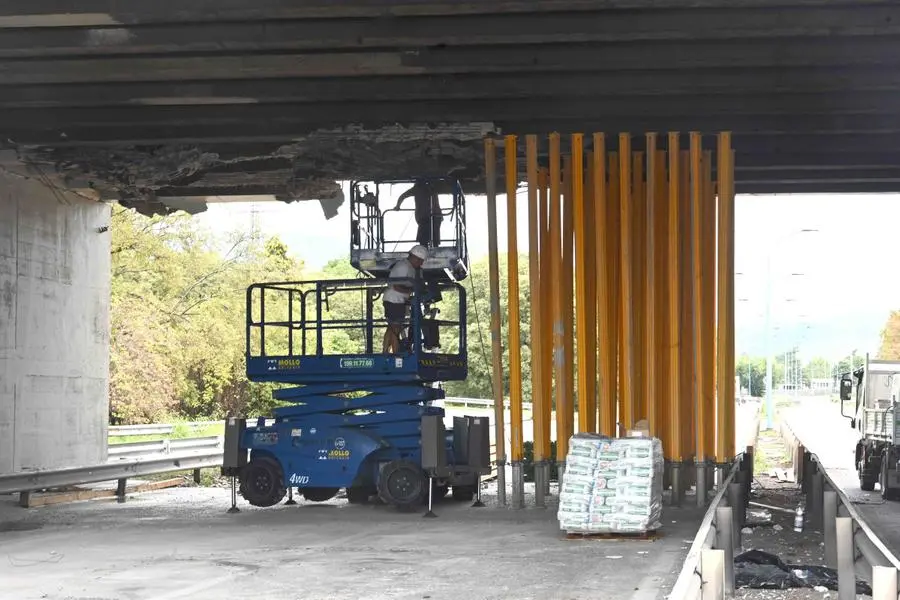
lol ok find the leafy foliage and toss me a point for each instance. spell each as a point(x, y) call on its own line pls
point(177, 312)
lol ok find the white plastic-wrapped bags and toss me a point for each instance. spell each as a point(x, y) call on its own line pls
point(611, 485)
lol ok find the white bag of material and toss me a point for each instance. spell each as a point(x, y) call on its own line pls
point(611, 485)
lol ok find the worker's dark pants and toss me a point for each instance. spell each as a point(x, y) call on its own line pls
point(429, 232)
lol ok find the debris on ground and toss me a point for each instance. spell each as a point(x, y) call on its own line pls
point(795, 557)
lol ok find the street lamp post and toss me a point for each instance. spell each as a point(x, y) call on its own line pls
point(769, 361)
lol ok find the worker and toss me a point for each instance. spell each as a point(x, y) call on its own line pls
point(396, 297)
point(428, 212)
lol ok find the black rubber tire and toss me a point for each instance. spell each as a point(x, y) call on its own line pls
point(262, 482)
point(317, 494)
point(463, 493)
point(887, 493)
point(359, 495)
point(402, 484)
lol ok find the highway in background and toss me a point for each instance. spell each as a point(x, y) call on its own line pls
point(818, 424)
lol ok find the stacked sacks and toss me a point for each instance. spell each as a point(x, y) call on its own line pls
point(611, 485)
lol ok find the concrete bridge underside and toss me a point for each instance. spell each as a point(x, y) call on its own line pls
point(144, 101)
point(149, 102)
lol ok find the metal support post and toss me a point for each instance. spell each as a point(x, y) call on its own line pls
point(724, 542)
point(736, 501)
point(677, 490)
point(557, 299)
point(430, 513)
point(197, 476)
point(725, 441)
point(846, 573)
point(884, 583)
point(518, 485)
point(234, 508)
point(638, 272)
point(712, 571)
point(816, 494)
point(490, 173)
point(568, 314)
point(537, 345)
point(697, 285)
point(120, 490)
point(585, 331)
point(673, 316)
point(687, 359)
point(290, 501)
point(829, 514)
point(660, 349)
point(649, 266)
point(626, 291)
point(605, 290)
point(478, 503)
point(709, 303)
point(701, 486)
point(25, 499)
point(613, 248)
point(806, 467)
point(515, 342)
point(546, 319)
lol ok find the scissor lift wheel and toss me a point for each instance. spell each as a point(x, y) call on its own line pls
point(402, 484)
point(262, 482)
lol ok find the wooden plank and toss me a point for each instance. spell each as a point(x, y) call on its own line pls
point(78, 495)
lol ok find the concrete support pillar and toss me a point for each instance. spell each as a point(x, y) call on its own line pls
point(54, 327)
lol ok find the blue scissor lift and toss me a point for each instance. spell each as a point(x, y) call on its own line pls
point(351, 416)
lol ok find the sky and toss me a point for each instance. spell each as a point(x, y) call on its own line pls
point(832, 287)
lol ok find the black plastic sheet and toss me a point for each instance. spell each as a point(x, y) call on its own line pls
point(760, 570)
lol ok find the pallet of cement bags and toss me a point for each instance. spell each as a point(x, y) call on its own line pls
point(611, 485)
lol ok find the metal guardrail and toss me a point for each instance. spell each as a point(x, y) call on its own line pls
point(156, 428)
point(708, 570)
point(164, 447)
point(851, 546)
point(29, 481)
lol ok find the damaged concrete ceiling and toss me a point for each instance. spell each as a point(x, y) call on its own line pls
point(154, 102)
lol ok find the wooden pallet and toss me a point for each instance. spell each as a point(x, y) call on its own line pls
point(644, 536)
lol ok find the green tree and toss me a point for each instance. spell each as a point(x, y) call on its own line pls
point(178, 306)
point(752, 371)
point(890, 338)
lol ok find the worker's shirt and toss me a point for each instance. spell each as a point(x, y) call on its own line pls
point(403, 269)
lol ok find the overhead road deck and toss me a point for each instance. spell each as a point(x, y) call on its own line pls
point(146, 100)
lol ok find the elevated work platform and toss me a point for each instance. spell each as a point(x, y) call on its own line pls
point(295, 334)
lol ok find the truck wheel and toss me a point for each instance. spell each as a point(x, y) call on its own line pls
point(402, 484)
point(887, 492)
point(262, 482)
point(463, 493)
point(317, 494)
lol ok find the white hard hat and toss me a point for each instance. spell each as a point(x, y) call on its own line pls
point(419, 251)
